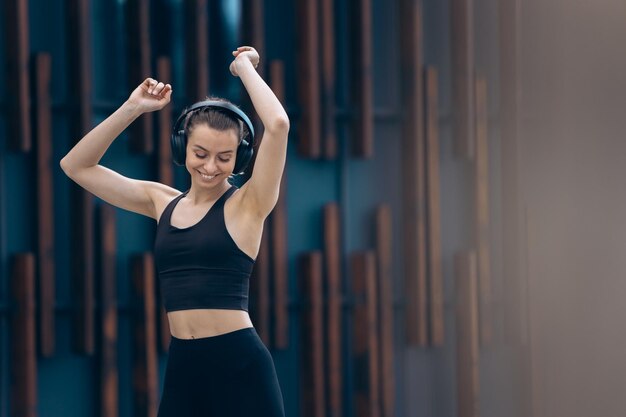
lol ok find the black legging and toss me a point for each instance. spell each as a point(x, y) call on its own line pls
point(231, 374)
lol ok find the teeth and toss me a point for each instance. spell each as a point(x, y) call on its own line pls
point(207, 177)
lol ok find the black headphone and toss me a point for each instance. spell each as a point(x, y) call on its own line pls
point(179, 138)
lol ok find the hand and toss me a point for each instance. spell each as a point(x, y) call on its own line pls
point(242, 54)
point(151, 95)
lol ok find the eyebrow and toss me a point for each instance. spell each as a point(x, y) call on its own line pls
point(219, 153)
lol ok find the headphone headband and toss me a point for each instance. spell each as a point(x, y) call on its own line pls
point(229, 107)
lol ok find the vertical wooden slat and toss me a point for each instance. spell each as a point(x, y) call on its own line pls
point(260, 290)
point(328, 79)
point(313, 395)
point(16, 61)
point(166, 176)
point(332, 270)
point(309, 135)
point(435, 273)
point(462, 45)
point(467, 336)
point(365, 336)
point(109, 401)
point(414, 205)
point(512, 218)
point(80, 88)
point(138, 27)
point(482, 212)
point(145, 374)
point(278, 222)
point(363, 132)
point(384, 280)
point(196, 49)
point(24, 354)
point(45, 204)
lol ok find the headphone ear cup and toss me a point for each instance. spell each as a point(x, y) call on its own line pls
point(244, 156)
point(179, 147)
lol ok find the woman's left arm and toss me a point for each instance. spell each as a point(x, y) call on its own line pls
point(261, 190)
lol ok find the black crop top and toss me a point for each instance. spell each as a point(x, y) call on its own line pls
point(201, 266)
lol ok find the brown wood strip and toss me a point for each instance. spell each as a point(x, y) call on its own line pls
point(254, 29)
point(365, 335)
point(109, 375)
point(278, 224)
point(196, 49)
point(145, 372)
point(138, 27)
point(313, 395)
point(328, 79)
point(166, 176)
point(332, 270)
point(384, 256)
point(515, 331)
point(462, 45)
point(413, 169)
point(482, 212)
point(309, 134)
point(260, 290)
point(164, 120)
point(435, 272)
point(362, 91)
point(467, 354)
point(24, 354)
point(80, 88)
point(17, 77)
point(45, 204)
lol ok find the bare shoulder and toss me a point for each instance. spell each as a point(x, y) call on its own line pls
point(161, 195)
point(245, 206)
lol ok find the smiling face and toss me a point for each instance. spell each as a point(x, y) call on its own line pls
point(211, 155)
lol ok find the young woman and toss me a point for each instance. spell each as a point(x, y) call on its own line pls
point(206, 242)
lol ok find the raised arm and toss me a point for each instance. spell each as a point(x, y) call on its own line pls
point(81, 163)
point(261, 190)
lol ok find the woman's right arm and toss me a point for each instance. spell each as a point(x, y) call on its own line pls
point(81, 163)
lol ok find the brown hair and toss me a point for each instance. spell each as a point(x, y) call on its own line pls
point(215, 118)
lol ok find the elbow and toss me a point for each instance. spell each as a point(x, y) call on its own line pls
point(65, 166)
point(280, 125)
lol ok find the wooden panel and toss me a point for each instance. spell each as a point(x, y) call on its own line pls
point(328, 79)
point(17, 81)
point(365, 336)
point(24, 354)
point(254, 29)
point(278, 224)
point(332, 271)
point(138, 29)
point(80, 90)
point(196, 49)
point(145, 372)
point(363, 132)
point(462, 45)
point(45, 204)
point(512, 217)
point(313, 395)
point(467, 356)
point(309, 135)
point(413, 171)
point(384, 287)
point(164, 120)
point(435, 273)
point(482, 212)
point(109, 385)
point(260, 290)
point(166, 176)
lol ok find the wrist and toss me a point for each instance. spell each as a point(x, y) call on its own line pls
point(131, 109)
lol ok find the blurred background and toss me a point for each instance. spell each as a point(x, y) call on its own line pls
point(449, 239)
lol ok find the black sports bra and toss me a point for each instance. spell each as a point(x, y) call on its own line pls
point(201, 266)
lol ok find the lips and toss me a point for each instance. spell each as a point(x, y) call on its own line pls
point(207, 177)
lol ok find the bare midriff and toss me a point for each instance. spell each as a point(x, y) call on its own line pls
point(193, 324)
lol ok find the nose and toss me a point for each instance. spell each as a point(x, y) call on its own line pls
point(210, 165)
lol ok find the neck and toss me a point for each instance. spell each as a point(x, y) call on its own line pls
point(199, 195)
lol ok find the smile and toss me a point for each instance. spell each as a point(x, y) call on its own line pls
point(207, 177)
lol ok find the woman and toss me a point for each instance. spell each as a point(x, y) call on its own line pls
point(206, 243)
